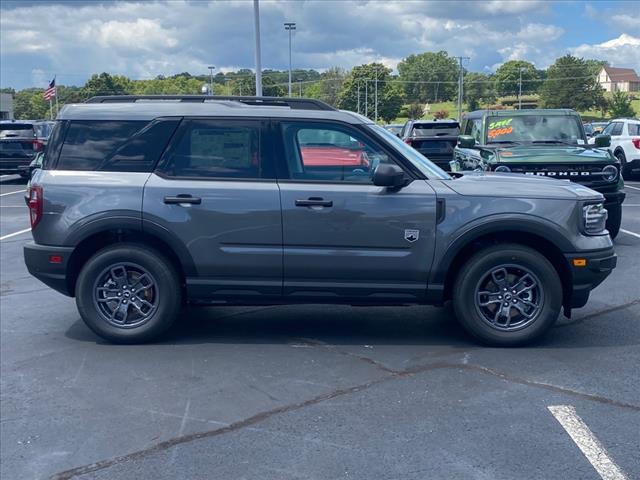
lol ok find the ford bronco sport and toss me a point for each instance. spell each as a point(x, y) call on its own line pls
point(145, 204)
point(548, 143)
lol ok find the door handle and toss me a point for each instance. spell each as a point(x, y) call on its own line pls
point(182, 198)
point(314, 202)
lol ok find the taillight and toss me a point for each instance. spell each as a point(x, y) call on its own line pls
point(38, 145)
point(35, 202)
point(636, 142)
point(409, 141)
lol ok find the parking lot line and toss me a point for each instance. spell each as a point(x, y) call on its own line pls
point(20, 191)
point(587, 442)
point(629, 186)
point(15, 233)
point(634, 234)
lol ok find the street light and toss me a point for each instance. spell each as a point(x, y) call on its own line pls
point(521, 69)
point(289, 26)
point(211, 69)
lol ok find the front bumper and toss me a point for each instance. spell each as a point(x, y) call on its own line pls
point(614, 198)
point(598, 265)
point(38, 261)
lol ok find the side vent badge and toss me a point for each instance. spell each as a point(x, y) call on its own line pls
point(411, 235)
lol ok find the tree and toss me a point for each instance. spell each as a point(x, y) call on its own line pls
point(478, 87)
point(570, 83)
point(331, 85)
point(439, 69)
point(28, 104)
point(362, 79)
point(620, 106)
point(106, 84)
point(415, 111)
point(507, 78)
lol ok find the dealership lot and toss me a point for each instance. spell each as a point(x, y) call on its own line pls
point(314, 392)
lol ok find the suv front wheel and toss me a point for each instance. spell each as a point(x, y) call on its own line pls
point(507, 295)
point(128, 294)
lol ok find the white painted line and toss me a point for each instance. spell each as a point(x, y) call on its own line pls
point(11, 193)
point(587, 442)
point(15, 233)
point(629, 186)
point(634, 234)
point(631, 204)
point(24, 206)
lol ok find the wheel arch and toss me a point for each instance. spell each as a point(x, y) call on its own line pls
point(548, 242)
point(112, 233)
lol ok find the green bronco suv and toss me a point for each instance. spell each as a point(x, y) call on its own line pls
point(548, 143)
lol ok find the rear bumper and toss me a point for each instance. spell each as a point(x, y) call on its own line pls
point(599, 265)
point(37, 258)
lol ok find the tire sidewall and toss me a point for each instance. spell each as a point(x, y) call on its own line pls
point(482, 263)
point(157, 265)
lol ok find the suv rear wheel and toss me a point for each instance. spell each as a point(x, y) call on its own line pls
point(507, 295)
point(128, 294)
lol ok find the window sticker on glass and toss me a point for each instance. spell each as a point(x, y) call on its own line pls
point(501, 127)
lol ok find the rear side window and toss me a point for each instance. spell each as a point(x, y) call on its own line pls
point(634, 128)
point(123, 146)
point(217, 149)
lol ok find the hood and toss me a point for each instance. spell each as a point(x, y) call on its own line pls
point(551, 154)
point(513, 185)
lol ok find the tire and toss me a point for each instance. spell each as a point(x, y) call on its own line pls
point(614, 220)
point(624, 168)
point(525, 323)
point(134, 275)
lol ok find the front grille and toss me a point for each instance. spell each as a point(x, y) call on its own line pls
point(584, 174)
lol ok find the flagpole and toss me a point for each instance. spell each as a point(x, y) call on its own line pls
point(51, 109)
point(57, 110)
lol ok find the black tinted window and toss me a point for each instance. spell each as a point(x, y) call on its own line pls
point(10, 130)
point(216, 149)
point(634, 128)
point(616, 129)
point(124, 146)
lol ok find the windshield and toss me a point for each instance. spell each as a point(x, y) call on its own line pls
point(429, 169)
point(534, 128)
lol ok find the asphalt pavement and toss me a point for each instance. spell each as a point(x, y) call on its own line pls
point(316, 392)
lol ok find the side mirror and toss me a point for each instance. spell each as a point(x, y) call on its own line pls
point(388, 176)
point(466, 141)
point(602, 141)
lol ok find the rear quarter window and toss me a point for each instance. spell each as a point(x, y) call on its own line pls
point(634, 128)
point(123, 146)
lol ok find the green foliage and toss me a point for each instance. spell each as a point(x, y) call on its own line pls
point(620, 106)
point(331, 82)
point(429, 67)
point(415, 111)
point(28, 104)
point(363, 79)
point(507, 78)
point(570, 83)
point(106, 84)
point(478, 88)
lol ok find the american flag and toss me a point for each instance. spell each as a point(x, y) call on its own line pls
point(50, 92)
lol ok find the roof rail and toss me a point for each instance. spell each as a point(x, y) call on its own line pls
point(293, 103)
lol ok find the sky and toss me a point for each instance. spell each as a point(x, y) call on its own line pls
point(143, 39)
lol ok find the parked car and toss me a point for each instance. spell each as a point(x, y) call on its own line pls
point(435, 139)
point(625, 143)
point(549, 143)
point(142, 206)
point(598, 127)
point(18, 145)
point(394, 128)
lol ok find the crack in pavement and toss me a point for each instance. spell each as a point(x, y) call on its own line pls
point(392, 374)
point(604, 311)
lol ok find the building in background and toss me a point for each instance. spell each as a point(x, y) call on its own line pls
point(619, 79)
point(6, 106)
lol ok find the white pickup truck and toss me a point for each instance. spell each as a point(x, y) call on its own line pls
point(625, 144)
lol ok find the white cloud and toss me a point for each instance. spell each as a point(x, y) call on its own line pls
point(623, 51)
point(143, 34)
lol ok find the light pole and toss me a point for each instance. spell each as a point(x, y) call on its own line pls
point(211, 68)
point(520, 89)
point(376, 96)
point(289, 26)
point(358, 95)
point(256, 21)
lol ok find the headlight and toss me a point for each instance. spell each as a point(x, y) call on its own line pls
point(502, 168)
point(594, 219)
point(609, 173)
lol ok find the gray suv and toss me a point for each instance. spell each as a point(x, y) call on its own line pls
point(145, 204)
